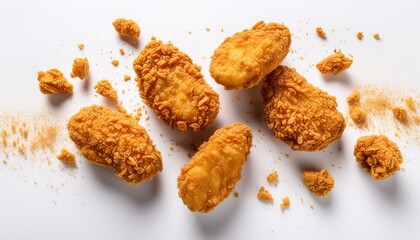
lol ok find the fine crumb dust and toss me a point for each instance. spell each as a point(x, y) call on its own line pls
point(273, 177)
point(264, 195)
point(105, 89)
point(400, 114)
point(67, 157)
point(285, 203)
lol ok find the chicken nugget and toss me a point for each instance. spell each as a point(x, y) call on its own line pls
point(213, 171)
point(114, 140)
point(173, 86)
point(301, 115)
point(244, 59)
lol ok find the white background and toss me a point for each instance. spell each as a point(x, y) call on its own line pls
point(41, 201)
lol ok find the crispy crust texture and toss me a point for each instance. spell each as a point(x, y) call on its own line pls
point(53, 81)
point(114, 140)
point(301, 115)
point(173, 86)
point(334, 64)
point(212, 173)
point(244, 59)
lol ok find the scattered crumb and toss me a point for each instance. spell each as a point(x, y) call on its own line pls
point(400, 114)
point(105, 89)
point(236, 194)
point(45, 138)
point(376, 36)
point(4, 137)
point(53, 81)
point(80, 68)
point(67, 157)
point(127, 77)
point(359, 35)
point(264, 195)
point(4, 162)
point(321, 32)
point(115, 62)
point(409, 102)
point(334, 64)
point(120, 108)
point(127, 28)
point(285, 203)
point(354, 98)
point(122, 52)
point(273, 177)
point(81, 46)
point(312, 207)
point(320, 183)
point(208, 29)
point(357, 115)
point(301, 200)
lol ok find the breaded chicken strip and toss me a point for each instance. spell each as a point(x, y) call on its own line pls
point(301, 115)
point(114, 140)
point(212, 173)
point(173, 86)
point(244, 59)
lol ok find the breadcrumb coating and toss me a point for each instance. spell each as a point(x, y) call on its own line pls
point(400, 114)
point(105, 89)
point(378, 156)
point(127, 28)
point(319, 183)
point(53, 81)
point(409, 102)
point(244, 59)
point(264, 195)
point(173, 86)
point(285, 203)
point(214, 170)
point(115, 140)
point(321, 32)
point(334, 64)
point(67, 157)
point(80, 68)
point(301, 115)
point(273, 177)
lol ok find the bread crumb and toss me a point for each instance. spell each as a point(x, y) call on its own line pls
point(273, 177)
point(359, 35)
point(236, 194)
point(378, 156)
point(376, 36)
point(354, 98)
point(122, 52)
point(127, 28)
point(53, 81)
point(409, 102)
point(357, 115)
point(319, 182)
point(334, 64)
point(45, 138)
point(321, 32)
point(67, 157)
point(115, 62)
point(4, 137)
point(285, 203)
point(400, 114)
point(264, 195)
point(81, 46)
point(105, 89)
point(127, 77)
point(80, 68)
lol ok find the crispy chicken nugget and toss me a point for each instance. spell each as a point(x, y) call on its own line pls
point(212, 173)
point(173, 86)
point(114, 140)
point(301, 115)
point(244, 59)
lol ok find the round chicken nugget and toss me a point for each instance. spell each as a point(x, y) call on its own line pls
point(114, 140)
point(244, 59)
point(301, 115)
point(173, 86)
point(213, 171)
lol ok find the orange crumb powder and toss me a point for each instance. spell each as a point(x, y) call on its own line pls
point(4, 137)
point(409, 102)
point(319, 182)
point(105, 89)
point(400, 114)
point(321, 32)
point(67, 157)
point(264, 195)
point(53, 81)
point(45, 138)
point(127, 28)
point(273, 177)
point(285, 203)
point(80, 68)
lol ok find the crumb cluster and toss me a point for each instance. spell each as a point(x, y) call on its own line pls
point(53, 81)
point(319, 182)
point(127, 28)
point(80, 68)
point(264, 195)
point(67, 157)
point(105, 89)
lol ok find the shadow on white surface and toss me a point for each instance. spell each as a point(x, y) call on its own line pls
point(342, 78)
point(132, 42)
point(56, 100)
point(390, 189)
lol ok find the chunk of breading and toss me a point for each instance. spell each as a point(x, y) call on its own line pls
point(173, 86)
point(213, 171)
point(67, 157)
point(244, 59)
point(319, 182)
point(378, 156)
point(301, 115)
point(80, 68)
point(53, 81)
point(115, 140)
point(105, 89)
point(334, 64)
point(127, 28)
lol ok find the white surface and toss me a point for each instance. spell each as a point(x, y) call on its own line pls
point(91, 203)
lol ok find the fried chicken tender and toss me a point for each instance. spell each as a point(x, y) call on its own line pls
point(334, 64)
point(173, 86)
point(127, 28)
point(244, 59)
point(53, 81)
point(213, 171)
point(378, 156)
point(114, 140)
point(301, 115)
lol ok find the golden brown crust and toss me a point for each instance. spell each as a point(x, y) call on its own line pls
point(334, 64)
point(105, 89)
point(320, 32)
point(264, 195)
point(53, 81)
point(319, 182)
point(213, 171)
point(378, 156)
point(127, 28)
point(173, 86)
point(67, 157)
point(80, 68)
point(301, 115)
point(114, 140)
point(244, 59)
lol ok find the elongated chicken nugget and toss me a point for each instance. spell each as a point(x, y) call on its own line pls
point(114, 140)
point(244, 59)
point(301, 115)
point(212, 173)
point(173, 86)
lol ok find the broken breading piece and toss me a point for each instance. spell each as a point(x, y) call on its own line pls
point(320, 32)
point(319, 183)
point(53, 81)
point(67, 157)
point(214, 170)
point(264, 195)
point(244, 59)
point(400, 114)
point(285, 203)
point(80, 68)
point(273, 177)
point(115, 140)
point(378, 156)
point(357, 115)
point(359, 35)
point(354, 98)
point(127, 28)
point(334, 64)
point(173, 86)
point(301, 115)
point(105, 89)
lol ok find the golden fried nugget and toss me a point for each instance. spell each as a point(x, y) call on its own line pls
point(53, 81)
point(319, 182)
point(301, 115)
point(127, 28)
point(173, 86)
point(334, 64)
point(80, 68)
point(244, 59)
point(115, 140)
point(213, 171)
point(378, 156)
